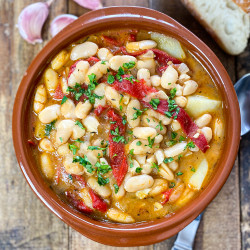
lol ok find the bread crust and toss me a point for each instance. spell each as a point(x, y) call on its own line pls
point(233, 44)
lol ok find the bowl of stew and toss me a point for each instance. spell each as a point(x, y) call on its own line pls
point(126, 126)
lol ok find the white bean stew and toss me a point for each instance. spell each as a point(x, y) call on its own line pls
point(127, 125)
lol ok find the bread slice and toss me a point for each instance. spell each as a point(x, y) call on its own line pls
point(227, 23)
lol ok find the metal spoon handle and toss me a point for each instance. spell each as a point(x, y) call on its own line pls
point(186, 236)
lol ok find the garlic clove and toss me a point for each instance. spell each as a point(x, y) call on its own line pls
point(61, 22)
point(31, 21)
point(90, 4)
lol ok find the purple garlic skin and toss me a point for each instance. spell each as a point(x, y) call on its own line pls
point(31, 21)
point(90, 4)
point(60, 22)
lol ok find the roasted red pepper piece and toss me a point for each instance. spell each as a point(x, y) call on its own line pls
point(118, 160)
point(97, 202)
point(162, 69)
point(80, 179)
point(58, 94)
point(77, 203)
point(140, 90)
point(31, 142)
point(136, 89)
point(163, 58)
point(166, 196)
point(110, 41)
point(100, 109)
point(92, 60)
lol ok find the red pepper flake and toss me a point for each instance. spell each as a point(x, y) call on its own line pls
point(166, 196)
point(31, 142)
point(119, 162)
point(77, 202)
point(97, 202)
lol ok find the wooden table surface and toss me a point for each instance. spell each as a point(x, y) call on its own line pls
point(26, 224)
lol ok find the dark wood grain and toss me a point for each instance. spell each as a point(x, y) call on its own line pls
point(26, 224)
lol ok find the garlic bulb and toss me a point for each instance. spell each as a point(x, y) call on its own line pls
point(31, 21)
point(60, 22)
point(90, 4)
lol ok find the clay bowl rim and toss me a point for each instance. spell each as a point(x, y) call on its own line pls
point(99, 20)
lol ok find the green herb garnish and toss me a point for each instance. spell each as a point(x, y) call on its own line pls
point(128, 65)
point(65, 98)
point(49, 127)
point(154, 102)
point(79, 124)
point(168, 160)
point(116, 187)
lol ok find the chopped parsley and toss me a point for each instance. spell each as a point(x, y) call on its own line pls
point(73, 148)
point(61, 139)
point(102, 181)
point(131, 152)
point(130, 132)
point(138, 143)
point(171, 143)
point(65, 98)
point(131, 79)
point(120, 107)
point(154, 165)
point(119, 74)
point(181, 138)
point(49, 127)
point(193, 169)
point(84, 162)
point(138, 113)
point(150, 142)
point(154, 102)
point(173, 93)
point(179, 173)
point(159, 125)
point(103, 62)
point(171, 185)
point(95, 148)
point(117, 137)
point(173, 135)
point(190, 145)
point(124, 121)
point(114, 155)
point(168, 160)
point(148, 120)
point(112, 122)
point(116, 187)
point(138, 170)
point(79, 124)
point(110, 79)
point(78, 140)
point(179, 157)
point(102, 167)
point(129, 65)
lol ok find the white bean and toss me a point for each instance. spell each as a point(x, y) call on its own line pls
point(166, 172)
point(91, 123)
point(148, 55)
point(79, 74)
point(100, 91)
point(46, 145)
point(68, 109)
point(104, 54)
point(141, 159)
point(83, 109)
point(203, 120)
point(84, 50)
point(77, 132)
point(113, 97)
point(133, 104)
point(72, 167)
point(190, 87)
point(159, 155)
point(165, 120)
point(183, 68)
point(176, 194)
point(218, 129)
point(136, 165)
point(119, 216)
point(175, 125)
point(98, 69)
point(153, 123)
point(181, 101)
point(179, 90)
point(40, 98)
point(158, 139)
point(51, 80)
point(183, 78)
point(141, 45)
point(169, 78)
point(142, 149)
point(175, 150)
point(207, 132)
point(117, 61)
point(173, 165)
point(155, 80)
point(59, 60)
point(103, 191)
point(64, 150)
point(50, 113)
point(140, 182)
point(145, 75)
point(47, 166)
point(160, 185)
point(147, 64)
point(64, 131)
point(144, 132)
point(142, 194)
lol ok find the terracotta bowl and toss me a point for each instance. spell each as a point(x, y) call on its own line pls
point(106, 232)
